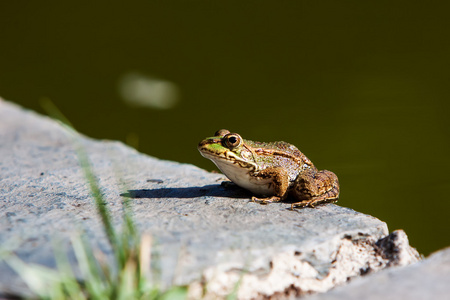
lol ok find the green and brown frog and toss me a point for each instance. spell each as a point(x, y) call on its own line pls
point(272, 171)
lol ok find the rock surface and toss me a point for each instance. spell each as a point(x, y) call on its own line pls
point(205, 233)
point(427, 279)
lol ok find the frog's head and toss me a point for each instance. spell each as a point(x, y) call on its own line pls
point(228, 151)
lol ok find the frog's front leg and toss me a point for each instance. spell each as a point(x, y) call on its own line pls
point(315, 187)
point(273, 181)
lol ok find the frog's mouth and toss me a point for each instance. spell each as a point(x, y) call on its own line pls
point(226, 157)
point(221, 156)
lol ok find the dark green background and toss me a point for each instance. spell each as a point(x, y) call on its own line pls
point(361, 87)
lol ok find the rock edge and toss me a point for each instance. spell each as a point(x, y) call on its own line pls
point(207, 236)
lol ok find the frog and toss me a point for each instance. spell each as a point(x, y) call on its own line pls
point(272, 172)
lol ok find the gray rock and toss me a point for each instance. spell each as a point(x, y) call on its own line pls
point(427, 279)
point(204, 233)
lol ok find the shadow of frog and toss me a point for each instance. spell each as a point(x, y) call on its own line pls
point(213, 190)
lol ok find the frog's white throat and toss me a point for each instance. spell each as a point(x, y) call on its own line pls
point(244, 176)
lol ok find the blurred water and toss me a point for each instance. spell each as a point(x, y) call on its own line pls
point(360, 87)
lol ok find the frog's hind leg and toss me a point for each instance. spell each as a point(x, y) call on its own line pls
point(314, 188)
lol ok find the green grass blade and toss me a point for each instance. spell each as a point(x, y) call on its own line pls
point(93, 280)
point(132, 253)
point(68, 280)
point(175, 293)
point(92, 180)
point(39, 279)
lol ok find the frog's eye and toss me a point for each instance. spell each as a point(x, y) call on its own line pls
point(232, 140)
point(221, 132)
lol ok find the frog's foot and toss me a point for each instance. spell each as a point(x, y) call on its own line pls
point(266, 200)
point(313, 202)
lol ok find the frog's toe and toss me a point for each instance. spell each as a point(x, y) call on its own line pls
point(303, 204)
point(266, 200)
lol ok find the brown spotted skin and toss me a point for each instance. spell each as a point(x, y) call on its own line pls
point(311, 187)
point(315, 187)
point(284, 168)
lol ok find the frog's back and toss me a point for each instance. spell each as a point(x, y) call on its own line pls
point(280, 154)
point(280, 146)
